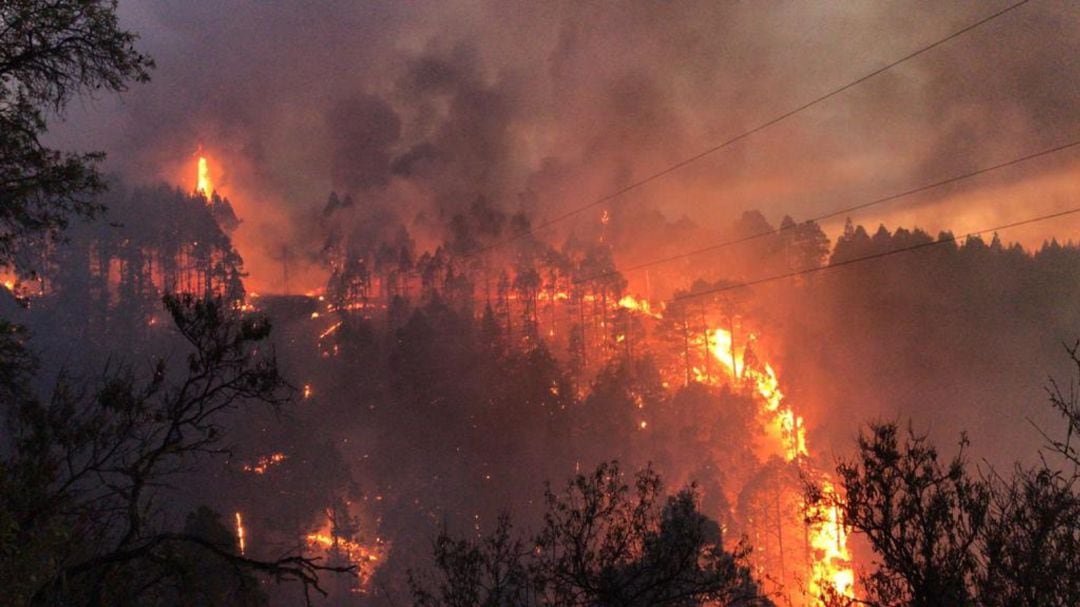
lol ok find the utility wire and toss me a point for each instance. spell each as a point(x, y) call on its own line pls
point(835, 213)
point(865, 258)
point(752, 131)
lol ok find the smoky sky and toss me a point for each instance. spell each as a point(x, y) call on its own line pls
point(418, 108)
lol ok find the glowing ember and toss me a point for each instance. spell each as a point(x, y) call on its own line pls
point(307, 391)
point(240, 533)
point(203, 185)
point(264, 463)
point(330, 331)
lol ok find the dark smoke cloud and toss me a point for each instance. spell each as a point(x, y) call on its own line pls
point(363, 132)
point(462, 123)
point(421, 108)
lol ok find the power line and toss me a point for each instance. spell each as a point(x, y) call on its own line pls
point(855, 260)
point(752, 131)
point(835, 213)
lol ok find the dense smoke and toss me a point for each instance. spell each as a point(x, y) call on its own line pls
point(420, 109)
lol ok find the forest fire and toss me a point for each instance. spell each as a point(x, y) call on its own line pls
point(785, 428)
point(590, 316)
point(831, 566)
point(831, 573)
point(605, 323)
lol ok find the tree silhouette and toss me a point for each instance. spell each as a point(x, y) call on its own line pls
point(923, 518)
point(49, 53)
point(80, 488)
point(602, 542)
point(946, 537)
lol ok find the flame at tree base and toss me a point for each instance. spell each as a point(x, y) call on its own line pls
point(364, 557)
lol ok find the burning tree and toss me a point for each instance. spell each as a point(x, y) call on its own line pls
point(158, 240)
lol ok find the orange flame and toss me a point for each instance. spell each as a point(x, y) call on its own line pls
point(785, 427)
point(203, 185)
point(240, 533)
point(828, 538)
point(638, 305)
point(366, 558)
point(831, 569)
